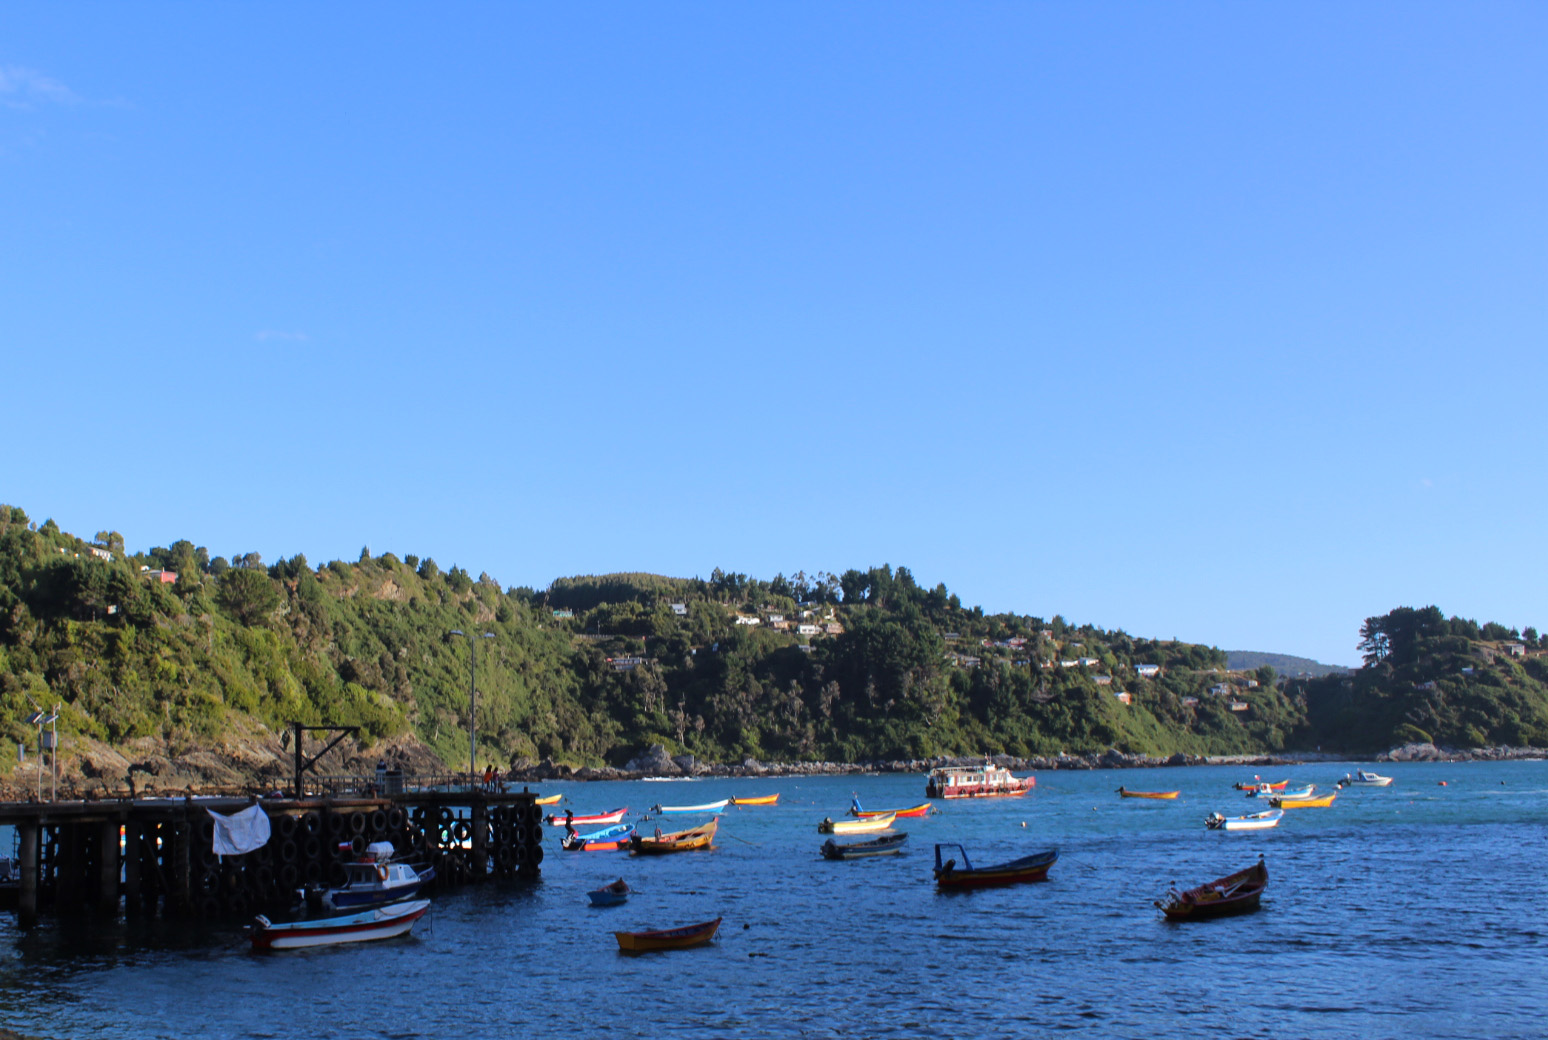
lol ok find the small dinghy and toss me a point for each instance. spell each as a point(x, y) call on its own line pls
point(610, 895)
point(1233, 894)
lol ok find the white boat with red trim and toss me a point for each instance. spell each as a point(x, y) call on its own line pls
point(378, 922)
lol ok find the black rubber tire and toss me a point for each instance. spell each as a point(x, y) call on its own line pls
point(357, 844)
point(288, 875)
point(286, 825)
point(311, 849)
point(337, 875)
point(461, 831)
point(207, 908)
point(288, 852)
point(312, 872)
point(377, 821)
point(357, 823)
point(444, 814)
point(337, 824)
point(505, 858)
point(208, 882)
point(311, 823)
point(535, 854)
point(395, 819)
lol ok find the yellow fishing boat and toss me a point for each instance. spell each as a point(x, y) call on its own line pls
point(552, 799)
point(767, 799)
point(700, 837)
point(1163, 795)
point(1304, 803)
point(860, 826)
point(668, 938)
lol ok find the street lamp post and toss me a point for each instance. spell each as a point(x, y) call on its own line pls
point(472, 699)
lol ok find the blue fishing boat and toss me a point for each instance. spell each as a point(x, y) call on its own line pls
point(610, 895)
point(608, 839)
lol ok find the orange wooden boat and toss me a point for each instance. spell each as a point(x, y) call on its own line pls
point(1163, 795)
point(1260, 785)
point(767, 799)
point(552, 799)
point(902, 814)
point(700, 837)
point(668, 938)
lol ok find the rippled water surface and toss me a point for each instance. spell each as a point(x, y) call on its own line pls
point(1415, 911)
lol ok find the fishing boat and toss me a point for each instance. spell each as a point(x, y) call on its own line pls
point(707, 807)
point(985, 781)
point(1361, 778)
point(1258, 821)
point(600, 819)
point(608, 839)
point(1304, 803)
point(1255, 785)
point(881, 845)
point(377, 922)
point(1233, 894)
point(610, 895)
point(922, 809)
point(668, 938)
point(1160, 795)
point(1300, 792)
point(861, 826)
point(766, 799)
point(551, 799)
point(700, 837)
point(373, 879)
point(1028, 868)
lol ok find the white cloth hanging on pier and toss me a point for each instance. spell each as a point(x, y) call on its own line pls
point(240, 832)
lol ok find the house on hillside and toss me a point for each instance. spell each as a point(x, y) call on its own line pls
point(1238, 705)
point(1190, 702)
point(807, 630)
point(1089, 662)
point(1252, 684)
point(1147, 671)
point(99, 552)
point(562, 613)
point(163, 576)
point(1123, 697)
point(1102, 680)
point(743, 619)
point(1516, 649)
point(833, 628)
point(625, 664)
point(1220, 689)
point(680, 609)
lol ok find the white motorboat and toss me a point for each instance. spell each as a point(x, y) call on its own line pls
point(1258, 821)
point(1362, 778)
point(379, 922)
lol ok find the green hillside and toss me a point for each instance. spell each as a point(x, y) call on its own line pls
point(592, 669)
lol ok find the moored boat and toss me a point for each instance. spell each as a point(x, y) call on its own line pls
point(377, 922)
point(707, 807)
point(1297, 794)
point(552, 799)
point(374, 879)
point(700, 837)
point(951, 874)
point(986, 781)
point(608, 839)
point(1304, 803)
point(922, 809)
point(600, 819)
point(861, 826)
point(1362, 778)
point(668, 938)
point(610, 895)
point(881, 845)
point(766, 799)
point(1159, 795)
point(1258, 821)
point(1233, 894)
point(1255, 784)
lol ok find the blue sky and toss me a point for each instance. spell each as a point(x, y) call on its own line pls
point(1216, 321)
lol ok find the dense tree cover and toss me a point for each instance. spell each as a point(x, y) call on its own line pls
point(1428, 677)
point(593, 668)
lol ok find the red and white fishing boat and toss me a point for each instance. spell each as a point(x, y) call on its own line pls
point(985, 781)
point(379, 922)
point(612, 816)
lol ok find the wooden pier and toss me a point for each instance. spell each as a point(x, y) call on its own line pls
point(155, 856)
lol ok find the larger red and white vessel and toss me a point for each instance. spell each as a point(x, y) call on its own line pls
point(985, 781)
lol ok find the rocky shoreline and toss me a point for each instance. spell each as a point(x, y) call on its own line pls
point(257, 766)
point(656, 762)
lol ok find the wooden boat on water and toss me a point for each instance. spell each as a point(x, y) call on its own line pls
point(1258, 821)
point(1361, 778)
point(881, 845)
point(551, 799)
point(1303, 803)
point(1296, 795)
point(1159, 795)
point(377, 922)
point(700, 837)
point(1233, 894)
point(951, 874)
point(610, 895)
point(707, 807)
point(923, 809)
point(668, 938)
point(608, 839)
point(600, 819)
point(766, 799)
point(1256, 785)
point(986, 781)
point(862, 826)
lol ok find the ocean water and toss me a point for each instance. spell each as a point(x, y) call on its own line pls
point(1413, 911)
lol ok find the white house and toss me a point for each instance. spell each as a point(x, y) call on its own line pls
point(1238, 705)
point(743, 619)
point(1089, 662)
point(1147, 671)
point(807, 630)
point(1102, 680)
point(680, 609)
point(1123, 697)
point(1220, 689)
point(1513, 649)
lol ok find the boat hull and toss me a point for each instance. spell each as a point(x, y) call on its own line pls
point(685, 810)
point(1254, 822)
point(885, 845)
point(380, 923)
point(600, 819)
point(1303, 803)
point(1237, 893)
point(865, 825)
point(679, 841)
point(552, 799)
point(769, 799)
point(1017, 872)
point(668, 938)
point(1157, 795)
point(902, 814)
